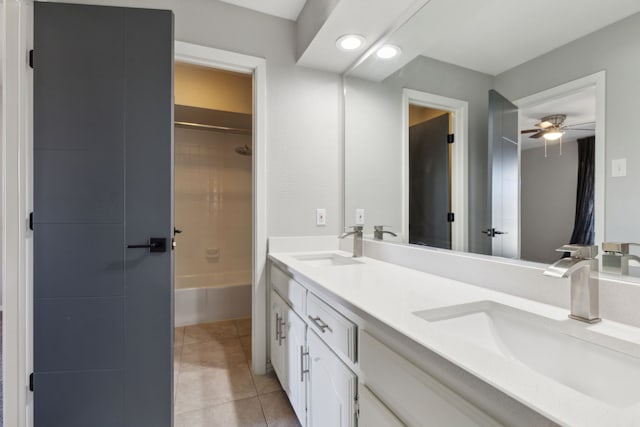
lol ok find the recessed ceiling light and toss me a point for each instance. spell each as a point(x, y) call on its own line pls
point(388, 51)
point(350, 42)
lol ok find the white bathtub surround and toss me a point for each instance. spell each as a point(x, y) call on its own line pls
point(213, 207)
point(212, 304)
point(388, 295)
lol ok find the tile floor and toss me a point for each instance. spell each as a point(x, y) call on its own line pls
point(214, 385)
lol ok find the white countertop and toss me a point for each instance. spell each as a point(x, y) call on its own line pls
point(391, 294)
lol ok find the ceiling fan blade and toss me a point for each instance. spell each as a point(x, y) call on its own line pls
point(530, 131)
point(537, 135)
point(579, 124)
point(587, 130)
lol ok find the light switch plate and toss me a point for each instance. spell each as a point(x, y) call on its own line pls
point(359, 216)
point(321, 216)
point(618, 167)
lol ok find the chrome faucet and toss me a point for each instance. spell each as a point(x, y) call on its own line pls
point(378, 232)
point(357, 239)
point(616, 257)
point(578, 266)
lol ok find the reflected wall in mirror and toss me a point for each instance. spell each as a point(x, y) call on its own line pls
point(568, 80)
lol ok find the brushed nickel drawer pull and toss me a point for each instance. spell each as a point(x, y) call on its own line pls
point(282, 335)
point(302, 370)
point(320, 323)
point(278, 328)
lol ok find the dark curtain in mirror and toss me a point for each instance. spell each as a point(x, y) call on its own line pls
point(583, 229)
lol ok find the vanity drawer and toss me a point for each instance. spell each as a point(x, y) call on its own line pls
point(412, 393)
point(291, 291)
point(334, 329)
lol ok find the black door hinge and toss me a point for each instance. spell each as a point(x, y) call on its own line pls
point(450, 217)
point(31, 221)
point(450, 138)
point(31, 58)
point(31, 382)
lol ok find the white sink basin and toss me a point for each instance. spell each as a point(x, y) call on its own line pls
point(326, 260)
point(584, 361)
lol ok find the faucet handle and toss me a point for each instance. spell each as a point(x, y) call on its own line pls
point(355, 227)
point(380, 227)
point(616, 247)
point(580, 251)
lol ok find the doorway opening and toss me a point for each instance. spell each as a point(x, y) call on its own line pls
point(213, 207)
point(213, 194)
point(549, 176)
point(435, 161)
point(430, 176)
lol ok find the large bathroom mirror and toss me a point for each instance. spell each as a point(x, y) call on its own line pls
point(524, 126)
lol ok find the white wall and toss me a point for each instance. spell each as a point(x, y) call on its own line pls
point(548, 200)
point(303, 120)
point(615, 49)
point(212, 208)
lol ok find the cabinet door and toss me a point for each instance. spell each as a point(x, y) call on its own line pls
point(373, 412)
point(296, 378)
point(332, 387)
point(276, 341)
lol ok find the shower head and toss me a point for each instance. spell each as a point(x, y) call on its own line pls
point(245, 150)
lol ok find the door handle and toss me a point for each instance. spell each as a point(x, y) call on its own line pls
point(490, 232)
point(156, 244)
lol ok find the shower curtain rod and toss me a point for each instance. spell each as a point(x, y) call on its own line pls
point(214, 128)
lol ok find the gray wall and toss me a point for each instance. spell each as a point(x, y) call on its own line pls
point(373, 153)
point(548, 200)
point(304, 120)
point(374, 120)
point(615, 49)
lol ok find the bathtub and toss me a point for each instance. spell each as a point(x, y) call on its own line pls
point(212, 297)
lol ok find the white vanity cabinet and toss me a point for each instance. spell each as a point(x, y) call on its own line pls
point(332, 387)
point(296, 349)
point(417, 397)
point(278, 313)
point(288, 348)
point(321, 388)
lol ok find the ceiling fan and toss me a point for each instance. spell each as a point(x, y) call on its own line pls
point(552, 127)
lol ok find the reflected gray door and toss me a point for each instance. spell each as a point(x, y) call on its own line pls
point(429, 197)
point(103, 179)
point(503, 167)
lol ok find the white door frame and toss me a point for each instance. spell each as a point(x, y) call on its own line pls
point(16, 184)
point(231, 61)
point(460, 161)
point(598, 81)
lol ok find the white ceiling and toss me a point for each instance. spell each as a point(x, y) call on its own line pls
point(492, 36)
point(578, 107)
point(288, 9)
point(347, 17)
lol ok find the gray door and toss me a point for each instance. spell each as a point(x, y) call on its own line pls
point(429, 189)
point(503, 167)
point(103, 179)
